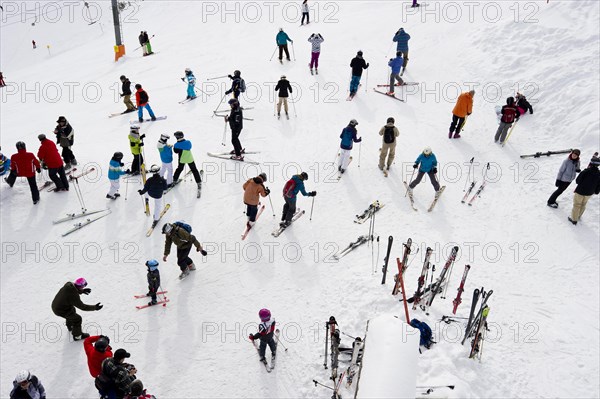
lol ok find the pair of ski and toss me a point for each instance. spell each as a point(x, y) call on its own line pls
point(155, 223)
point(268, 367)
point(402, 265)
point(187, 100)
point(80, 225)
point(122, 113)
point(249, 226)
point(48, 184)
point(472, 186)
point(161, 302)
point(438, 194)
point(352, 246)
point(476, 324)
point(367, 213)
point(340, 173)
point(224, 111)
point(547, 153)
point(228, 155)
point(296, 216)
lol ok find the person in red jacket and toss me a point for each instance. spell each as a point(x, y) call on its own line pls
point(24, 164)
point(49, 156)
point(141, 99)
point(97, 349)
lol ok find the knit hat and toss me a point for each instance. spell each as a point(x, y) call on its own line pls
point(595, 161)
point(41, 137)
point(163, 138)
point(304, 176)
point(178, 135)
point(263, 176)
point(121, 354)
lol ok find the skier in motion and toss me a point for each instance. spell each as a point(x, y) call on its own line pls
point(357, 64)
point(237, 84)
point(427, 163)
point(315, 40)
point(266, 330)
point(254, 189)
point(389, 132)
point(282, 38)
point(290, 194)
point(183, 148)
point(285, 89)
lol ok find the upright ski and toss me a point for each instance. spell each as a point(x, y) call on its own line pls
point(387, 258)
point(438, 286)
point(416, 299)
point(402, 266)
point(477, 343)
point(457, 301)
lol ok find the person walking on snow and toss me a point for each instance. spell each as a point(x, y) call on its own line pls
point(266, 331)
point(135, 145)
point(183, 149)
point(388, 146)
point(49, 156)
point(290, 193)
point(237, 84)
point(34, 45)
point(183, 240)
point(396, 65)
point(236, 123)
point(357, 64)
point(315, 40)
point(65, 302)
point(282, 38)
point(254, 189)
point(348, 137)
point(284, 88)
point(2, 84)
point(65, 136)
point(115, 171)
point(27, 386)
point(191, 79)
point(141, 99)
point(588, 184)
point(24, 164)
point(509, 115)
point(427, 163)
point(97, 349)
point(126, 89)
point(402, 38)
point(155, 187)
point(462, 109)
point(305, 13)
point(566, 174)
point(166, 157)
point(153, 277)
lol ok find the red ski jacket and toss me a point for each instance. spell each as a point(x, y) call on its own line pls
point(49, 154)
point(24, 163)
point(94, 357)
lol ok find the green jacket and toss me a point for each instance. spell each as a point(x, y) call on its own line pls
point(181, 238)
point(67, 299)
point(134, 143)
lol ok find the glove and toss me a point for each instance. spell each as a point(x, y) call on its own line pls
point(557, 183)
point(87, 291)
point(203, 252)
point(142, 137)
point(165, 258)
point(312, 194)
point(468, 113)
point(141, 144)
point(183, 79)
point(251, 337)
point(291, 41)
point(578, 170)
point(267, 191)
point(127, 172)
point(99, 306)
point(38, 170)
point(228, 91)
point(434, 170)
point(140, 192)
point(531, 112)
point(359, 140)
point(122, 95)
point(230, 77)
point(415, 166)
point(367, 64)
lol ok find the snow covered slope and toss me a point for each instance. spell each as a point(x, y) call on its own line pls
point(543, 270)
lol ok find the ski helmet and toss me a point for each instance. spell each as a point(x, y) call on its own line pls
point(167, 228)
point(178, 134)
point(233, 102)
point(136, 388)
point(154, 169)
point(152, 264)
point(237, 73)
point(360, 53)
point(304, 176)
point(61, 119)
point(80, 283)
point(122, 77)
point(188, 71)
point(22, 376)
point(163, 138)
point(263, 176)
point(118, 156)
point(353, 122)
point(391, 120)
point(427, 151)
point(20, 145)
point(264, 314)
point(101, 344)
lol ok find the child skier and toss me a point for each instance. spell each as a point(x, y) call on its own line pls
point(284, 88)
point(348, 137)
point(290, 193)
point(135, 144)
point(153, 277)
point(191, 79)
point(155, 187)
point(266, 330)
point(509, 115)
point(180, 234)
point(566, 174)
point(388, 146)
point(281, 39)
point(237, 85)
point(315, 40)
point(396, 65)
point(183, 149)
point(65, 137)
point(25, 164)
point(462, 109)
point(166, 157)
point(357, 64)
point(115, 171)
point(236, 123)
point(254, 189)
point(427, 163)
point(141, 99)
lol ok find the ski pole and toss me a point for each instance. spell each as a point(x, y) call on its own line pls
point(164, 296)
point(468, 174)
point(273, 55)
point(224, 134)
point(325, 386)
point(218, 77)
point(367, 80)
point(220, 102)
point(126, 187)
point(359, 148)
point(279, 342)
point(294, 105)
point(388, 50)
point(137, 48)
point(293, 52)
point(436, 386)
point(311, 208)
point(271, 202)
point(411, 178)
point(274, 107)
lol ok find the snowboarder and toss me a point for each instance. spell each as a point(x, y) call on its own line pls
point(427, 163)
point(588, 184)
point(2, 84)
point(510, 114)
point(166, 157)
point(266, 330)
point(348, 137)
point(65, 136)
point(396, 65)
point(117, 376)
point(315, 40)
point(281, 39)
point(357, 64)
point(4, 164)
point(254, 189)
point(27, 386)
point(34, 45)
point(389, 132)
point(49, 156)
point(65, 302)
point(176, 233)
point(462, 109)
point(236, 123)
point(24, 164)
point(523, 104)
point(305, 13)
point(97, 349)
point(566, 174)
point(238, 85)
point(141, 99)
point(183, 149)
point(290, 193)
point(191, 79)
point(285, 88)
point(402, 38)
point(126, 89)
point(115, 171)
point(155, 187)
point(153, 277)
point(135, 145)
point(137, 391)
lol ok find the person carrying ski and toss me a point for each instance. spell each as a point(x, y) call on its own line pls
point(315, 40)
point(24, 164)
point(49, 156)
point(166, 157)
point(65, 136)
point(4, 163)
point(566, 174)
point(427, 163)
point(389, 132)
point(183, 148)
point(126, 89)
point(462, 109)
point(254, 189)
point(27, 386)
point(348, 137)
point(284, 88)
point(65, 302)
point(191, 79)
point(237, 84)
point(155, 187)
point(523, 105)
point(115, 171)
point(401, 38)
point(135, 145)
point(117, 376)
point(509, 115)
point(357, 64)
point(305, 13)
point(97, 349)
point(588, 184)
point(141, 99)
point(266, 331)
point(137, 391)
point(183, 240)
point(153, 277)
point(281, 39)
point(290, 193)
point(396, 65)
point(236, 123)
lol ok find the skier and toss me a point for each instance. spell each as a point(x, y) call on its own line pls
point(147, 44)
point(33, 43)
point(396, 65)
point(402, 38)
point(348, 137)
point(315, 40)
point(27, 386)
point(24, 164)
point(126, 89)
point(48, 155)
point(290, 192)
point(166, 157)
point(2, 84)
point(389, 132)
point(137, 391)
point(427, 163)
point(236, 123)
point(115, 171)
point(191, 79)
point(97, 349)
point(183, 240)
point(135, 145)
point(566, 174)
point(284, 87)
point(65, 302)
point(305, 13)
point(141, 99)
point(523, 104)
point(155, 187)
point(183, 149)
point(65, 136)
point(588, 184)
point(254, 189)
point(281, 39)
point(462, 109)
point(143, 43)
point(4, 163)
point(510, 114)
point(357, 64)
point(117, 376)
point(153, 278)
point(237, 85)
point(266, 330)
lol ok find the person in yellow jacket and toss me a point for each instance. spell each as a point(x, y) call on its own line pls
point(135, 144)
point(462, 109)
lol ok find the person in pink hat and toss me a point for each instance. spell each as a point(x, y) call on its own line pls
point(65, 302)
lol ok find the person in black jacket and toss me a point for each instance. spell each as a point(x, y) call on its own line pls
point(65, 137)
point(236, 123)
point(357, 64)
point(588, 184)
point(126, 88)
point(142, 39)
point(284, 88)
point(523, 104)
point(237, 84)
point(155, 187)
point(153, 277)
point(116, 376)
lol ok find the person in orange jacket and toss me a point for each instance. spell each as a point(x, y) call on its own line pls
point(462, 109)
point(254, 189)
point(97, 349)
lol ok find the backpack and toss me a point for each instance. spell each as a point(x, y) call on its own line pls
point(184, 226)
point(144, 97)
point(509, 115)
point(425, 330)
point(388, 135)
point(288, 189)
point(242, 85)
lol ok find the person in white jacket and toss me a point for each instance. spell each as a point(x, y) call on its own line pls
point(315, 40)
point(566, 174)
point(305, 13)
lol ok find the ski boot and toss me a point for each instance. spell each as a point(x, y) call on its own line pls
point(80, 337)
point(191, 267)
point(154, 223)
point(152, 302)
point(184, 274)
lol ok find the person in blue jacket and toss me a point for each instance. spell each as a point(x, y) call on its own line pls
point(290, 191)
point(115, 171)
point(282, 38)
point(4, 163)
point(155, 187)
point(396, 65)
point(191, 79)
point(348, 137)
point(427, 163)
point(402, 38)
point(166, 157)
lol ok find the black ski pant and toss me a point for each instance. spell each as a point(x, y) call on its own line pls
point(136, 165)
point(305, 15)
point(35, 193)
point(562, 186)
point(432, 177)
point(73, 321)
point(282, 48)
point(183, 258)
point(67, 155)
point(251, 211)
point(289, 209)
point(262, 348)
point(193, 168)
point(58, 176)
point(235, 140)
point(456, 125)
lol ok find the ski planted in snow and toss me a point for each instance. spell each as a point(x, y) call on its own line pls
point(416, 299)
point(155, 223)
point(248, 226)
point(477, 343)
point(360, 241)
point(438, 286)
point(438, 194)
point(457, 301)
point(296, 216)
point(367, 213)
point(386, 260)
point(476, 294)
point(81, 225)
point(402, 266)
point(355, 361)
point(474, 321)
